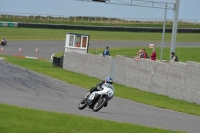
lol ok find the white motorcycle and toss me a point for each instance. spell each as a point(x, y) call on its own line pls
point(98, 99)
point(3, 42)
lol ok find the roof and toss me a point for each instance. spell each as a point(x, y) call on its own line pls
point(78, 34)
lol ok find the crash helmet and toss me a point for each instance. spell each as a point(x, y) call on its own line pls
point(109, 80)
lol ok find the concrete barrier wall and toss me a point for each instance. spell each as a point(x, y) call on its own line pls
point(192, 82)
point(160, 78)
point(176, 80)
point(88, 64)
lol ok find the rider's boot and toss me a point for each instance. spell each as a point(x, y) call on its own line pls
point(106, 104)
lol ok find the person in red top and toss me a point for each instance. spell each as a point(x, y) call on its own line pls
point(153, 55)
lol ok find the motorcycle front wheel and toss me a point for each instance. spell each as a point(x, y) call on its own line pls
point(82, 105)
point(99, 104)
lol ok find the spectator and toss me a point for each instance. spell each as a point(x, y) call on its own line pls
point(137, 57)
point(77, 44)
point(174, 58)
point(142, 54)
point(145, 54)
point(153, 55)
point(106, 52)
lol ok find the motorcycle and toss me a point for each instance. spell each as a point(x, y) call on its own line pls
point(3, 42)
point(98, 99)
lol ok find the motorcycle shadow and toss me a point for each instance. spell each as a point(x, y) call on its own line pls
point(105, 112)
point(115, 113)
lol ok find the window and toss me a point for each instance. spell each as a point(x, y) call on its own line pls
point(78, 41)
point(84, 41)
point(71, 40)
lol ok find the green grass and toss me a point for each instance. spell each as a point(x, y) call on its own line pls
point(99, 23)
point(60, 34)
point(87, 82)
point(23, 120)
point(184, 53)
point(59, 54)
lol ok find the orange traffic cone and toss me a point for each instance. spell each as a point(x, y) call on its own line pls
point(36, 50)
point(20, 50)
point(1, 49)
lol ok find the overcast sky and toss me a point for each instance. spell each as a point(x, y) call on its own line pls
point(189, 9)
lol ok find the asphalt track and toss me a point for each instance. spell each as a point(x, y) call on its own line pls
point(29, 89)
point(47, 48)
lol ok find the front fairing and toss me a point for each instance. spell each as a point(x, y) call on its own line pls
point(93, 98)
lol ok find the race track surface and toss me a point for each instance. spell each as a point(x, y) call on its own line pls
point(29, 89)
point(47, 48)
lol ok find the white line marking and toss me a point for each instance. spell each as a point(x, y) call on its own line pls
point(52, 56)
point(31, 57)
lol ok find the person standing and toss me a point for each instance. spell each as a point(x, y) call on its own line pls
point(153, 55)
point(174, 58)
point(145, 54)
point(141, 53)
point(106, 52)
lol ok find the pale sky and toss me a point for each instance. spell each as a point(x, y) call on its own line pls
point(189, 9)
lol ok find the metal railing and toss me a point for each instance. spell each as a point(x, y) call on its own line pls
point(93, 19)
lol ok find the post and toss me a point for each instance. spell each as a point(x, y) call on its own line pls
point(163, 34)
point(96, 48)
point(175, 23)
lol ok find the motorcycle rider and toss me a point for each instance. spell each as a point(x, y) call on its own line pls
point(4, 40)
point(99, 87)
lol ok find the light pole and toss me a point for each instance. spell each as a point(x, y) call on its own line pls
point(175, 25)
point(163, 34)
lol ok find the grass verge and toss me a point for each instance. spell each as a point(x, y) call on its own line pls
point(184, 53)
point(22, 120)
point(84, 81)
point(59, 54)
point(60, 34)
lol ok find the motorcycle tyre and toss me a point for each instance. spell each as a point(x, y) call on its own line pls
point(82, 107)
point(99, 107)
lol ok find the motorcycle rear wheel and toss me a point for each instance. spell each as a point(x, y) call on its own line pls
point(99, 104)
point(82, 105)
